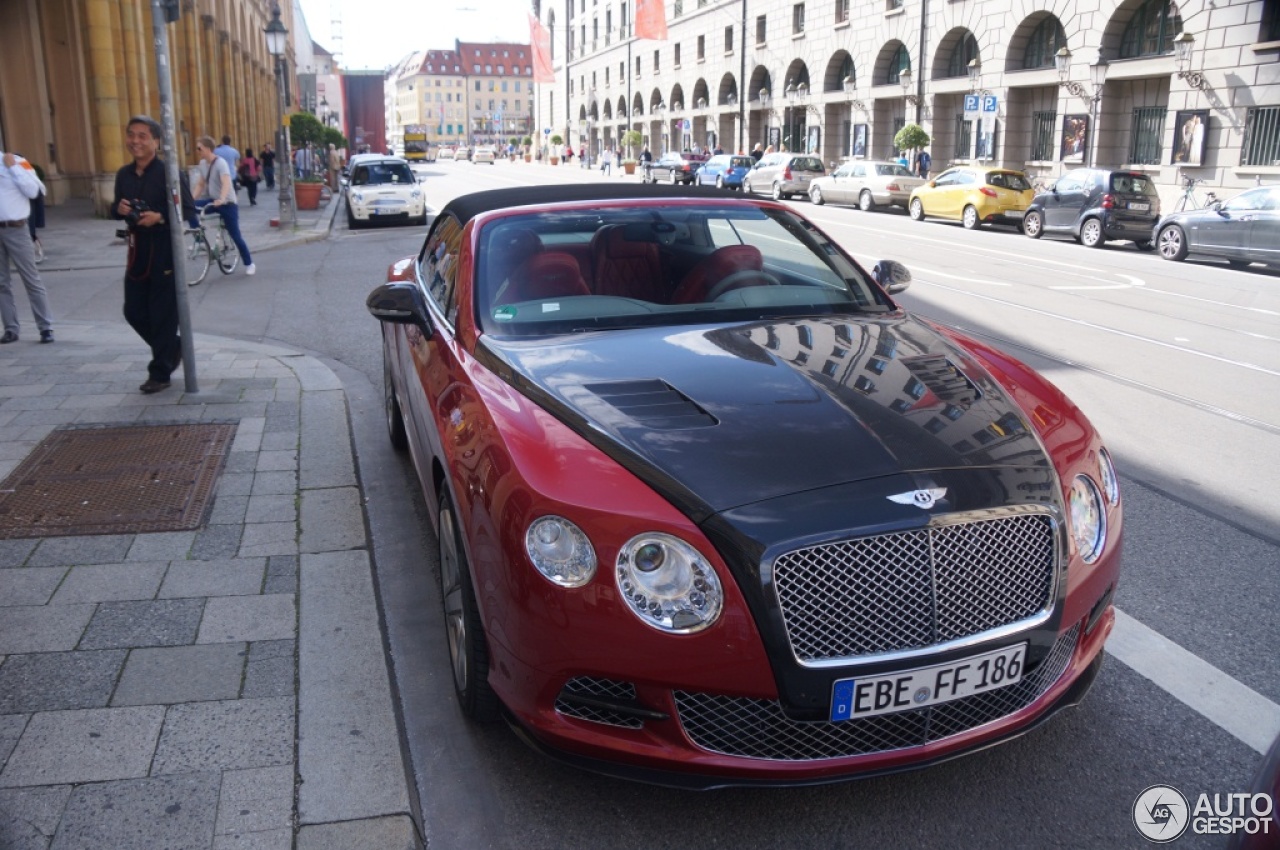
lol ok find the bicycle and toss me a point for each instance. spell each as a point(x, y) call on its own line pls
point(204, 248)
point(1189, 199)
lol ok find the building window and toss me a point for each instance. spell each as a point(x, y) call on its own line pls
point(606, 76)
point(1270, 21)
point(890, 5)
point(964, 138)
point(964, 53)
point(1043, 125)
point(702, 47)
point(675, 55)
point(622, 70)
point(1151, 30)
point(899, 62)
point(842, 11)
point(898, 124)
point(1148, 131)
point(728, 39)
point(657, 63)
point(608, 25)
point(1047, 38)
point(760, 29)
point(637, 66)
point(797, 19)
point(679, 8)
point(1261, 136)
point(624, 21)
point(477, 85)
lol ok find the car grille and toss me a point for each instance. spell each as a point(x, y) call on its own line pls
point(857, 599)
point(758, 728)
point(597, 689)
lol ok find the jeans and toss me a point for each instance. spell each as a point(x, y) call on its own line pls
point(269, 172)
point(231, 219)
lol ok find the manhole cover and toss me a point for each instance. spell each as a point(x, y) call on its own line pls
point(115, 480)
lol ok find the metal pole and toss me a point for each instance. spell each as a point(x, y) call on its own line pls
point(742, 82)
point(288, 209)
point(160, 33)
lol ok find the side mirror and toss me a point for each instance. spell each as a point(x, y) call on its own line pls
point(400, 303)
point(891, 275)
point(1216, 206)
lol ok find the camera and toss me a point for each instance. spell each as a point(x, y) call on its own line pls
point(137, 207)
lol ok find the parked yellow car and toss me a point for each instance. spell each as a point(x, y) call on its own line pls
point(974, 195)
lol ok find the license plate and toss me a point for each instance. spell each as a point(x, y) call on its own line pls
point(874, 695)
point(1137, 206)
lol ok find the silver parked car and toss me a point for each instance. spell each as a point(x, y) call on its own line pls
point(867, 183)
point(1243, 230)
point(783, 175)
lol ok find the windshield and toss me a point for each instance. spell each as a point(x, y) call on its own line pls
point(806, 163)
point(1008, 180)
point(382, 172)
point(742, 162)
point(572, 271)
point(892, 170)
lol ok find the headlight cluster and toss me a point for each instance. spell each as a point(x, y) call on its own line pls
point(358, 197)
point(1088, 518)
point(1107, 473)
point(665, 581)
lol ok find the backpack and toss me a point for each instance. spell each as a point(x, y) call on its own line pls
point(249, 170)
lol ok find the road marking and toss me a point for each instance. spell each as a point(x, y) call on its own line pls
point(1229, 704)
point(1262, 310)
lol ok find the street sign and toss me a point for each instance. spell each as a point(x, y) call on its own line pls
point(546, 131)
point(989, 102)
point(971, 103)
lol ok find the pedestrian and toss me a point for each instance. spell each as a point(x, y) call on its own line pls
point(213, 189)
point(582, 157)
point(923, 161)
point(142, 199)
point(250, 174)
point(606, 161)
point(268, 157)
point(757, 152)
point(232, 157)
point(36, 221)
point(19, 186)
point(645, 155)
point(335, 166)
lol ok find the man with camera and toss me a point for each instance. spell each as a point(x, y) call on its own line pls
point(19, 185)
point(142, 200)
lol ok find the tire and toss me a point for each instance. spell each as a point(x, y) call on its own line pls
point(916, 209)
point(228, 254)
point(1091, 235)
point(1033, 225)
point(1172, 243)
point(866, 202)
point(198, 259)
point(352, 223)
point(675, 179)
point(815, 196)
point(969, 218)
point(778, 194)
point(468, 648)
point(391, 405)
point(719, 181)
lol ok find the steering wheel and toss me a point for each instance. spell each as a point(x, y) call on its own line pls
point(733, 281)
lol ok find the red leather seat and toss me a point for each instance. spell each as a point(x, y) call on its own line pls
point(730, 259)
point(626, 268)
point(552, 274)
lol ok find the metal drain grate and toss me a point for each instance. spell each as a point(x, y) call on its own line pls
point(115, 480)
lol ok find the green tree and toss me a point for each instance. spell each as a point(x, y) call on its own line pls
point(911, 137)
point(305, 127)
point(333, 137)
point(631, 138)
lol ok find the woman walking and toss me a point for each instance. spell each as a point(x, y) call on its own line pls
point(250, 174)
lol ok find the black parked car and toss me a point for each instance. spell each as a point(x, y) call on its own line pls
point(1243, 230)
point(1096, 205)
point(673, 167)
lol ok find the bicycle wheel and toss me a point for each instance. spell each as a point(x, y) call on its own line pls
point(228, 254)
point(197, 257)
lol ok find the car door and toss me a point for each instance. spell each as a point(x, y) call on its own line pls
point(838, 188)
point(1225, 232)
point(1262, 243)
point(950, 197)
point(1063, 202)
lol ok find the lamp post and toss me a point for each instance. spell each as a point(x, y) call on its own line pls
point(905, 79)
point(1098, 77)
point(661, 111)
point(1183, 48)
point(277, 40)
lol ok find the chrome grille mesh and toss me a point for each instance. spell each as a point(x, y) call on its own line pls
point(603, 689)
point(914, 589)
point(758, 729)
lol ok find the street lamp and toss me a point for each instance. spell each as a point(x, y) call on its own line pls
point(1097, 76)
point(851, 90)
point(1183, 48)
point(904, 77)
point(277, 41)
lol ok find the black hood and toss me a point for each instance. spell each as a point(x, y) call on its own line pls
point(733, 415)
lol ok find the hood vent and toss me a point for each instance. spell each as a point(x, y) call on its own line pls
point(943, 379)
point(653, 404)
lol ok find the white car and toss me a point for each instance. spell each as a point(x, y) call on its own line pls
point(384, 189)
point(485, 154)
point(463, 152)
point(867, 183)
point(445, 152)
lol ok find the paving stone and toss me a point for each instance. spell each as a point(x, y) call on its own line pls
point(166, 675)
point(29, 585)
point(249, 618)
point(217, 541)
point(229, 735)
point(241, 461)
point(228, 510)
point(90, 745)
point(172, 812)
point(162, 622)
point(14, 553)
point(279, 441)
point(274, 484)
point(164, 546)
point(88, 549)
point(269, 538)
point(43, 628)
point(272, 669)
point(235, 484)
point(222, 577)
point(332, 520)
point(394, 832)
point(29, 816)
point(276, 839)
point(58, 681)
point(277, 461)
point(283, 416)
point(281, 508)
point(256, 800)
point(11, 726)
point(111, 582)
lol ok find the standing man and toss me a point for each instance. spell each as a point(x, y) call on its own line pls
point(19, 186)
point(142, 199)
point(335, 166)
point(269, 165)
point(232, 157)
point(923, 162)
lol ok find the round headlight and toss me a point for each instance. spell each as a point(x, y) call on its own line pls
point(668, 584)
point(1088, 521)
point(561, 551)
point(1107, 472)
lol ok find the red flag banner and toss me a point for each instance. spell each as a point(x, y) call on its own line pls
point(651, 19)
point(540, 39)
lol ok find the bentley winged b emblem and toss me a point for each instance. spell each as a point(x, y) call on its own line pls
point(923, 499)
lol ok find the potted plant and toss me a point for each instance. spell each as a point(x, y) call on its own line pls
point(556, 141)
point(912, 137)
point(306, 191)
point(631, 138)
point(528, 148)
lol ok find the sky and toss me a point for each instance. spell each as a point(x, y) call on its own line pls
point(378, 33)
